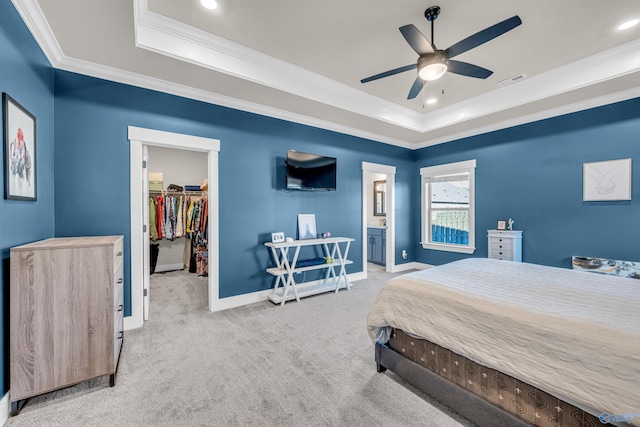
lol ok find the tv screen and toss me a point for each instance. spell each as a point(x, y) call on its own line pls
point(311, 172)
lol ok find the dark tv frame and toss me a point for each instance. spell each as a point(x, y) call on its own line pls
point(319, 156)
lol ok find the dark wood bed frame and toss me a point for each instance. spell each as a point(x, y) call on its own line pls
point(491, 406)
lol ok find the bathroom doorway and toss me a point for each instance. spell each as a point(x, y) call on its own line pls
point(378, 199)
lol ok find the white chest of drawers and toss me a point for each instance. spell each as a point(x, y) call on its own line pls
point(505, 244)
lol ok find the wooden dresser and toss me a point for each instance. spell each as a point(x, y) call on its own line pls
point(67, 308)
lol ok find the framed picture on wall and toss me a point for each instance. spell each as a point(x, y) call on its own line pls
point(19, 151)
point(306, 226)
point(608, 180)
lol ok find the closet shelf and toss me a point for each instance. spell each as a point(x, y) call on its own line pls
point(178, 193)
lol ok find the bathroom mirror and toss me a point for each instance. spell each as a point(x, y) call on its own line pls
point(378, 198)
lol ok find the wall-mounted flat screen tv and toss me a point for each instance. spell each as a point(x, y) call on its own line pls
point(310, 172)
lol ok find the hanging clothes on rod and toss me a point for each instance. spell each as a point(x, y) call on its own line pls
point(182, 214)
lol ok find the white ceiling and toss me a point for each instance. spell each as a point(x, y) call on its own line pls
point(303, 60)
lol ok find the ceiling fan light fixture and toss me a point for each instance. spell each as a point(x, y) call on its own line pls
point(432, 66)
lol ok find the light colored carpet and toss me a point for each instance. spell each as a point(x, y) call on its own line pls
point(375, 267)
point(304, 364)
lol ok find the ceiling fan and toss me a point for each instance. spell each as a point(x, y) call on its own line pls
point(433, 63)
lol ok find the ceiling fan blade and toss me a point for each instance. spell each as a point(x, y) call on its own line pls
point(483, 36)
point(390, 73)
point(417, 86)
point(469, 70)
point(416, 39)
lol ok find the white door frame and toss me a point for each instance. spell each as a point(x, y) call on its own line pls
point(138, 138)
point(146, 261)
point(390, 199)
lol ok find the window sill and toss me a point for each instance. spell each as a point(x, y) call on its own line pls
point(449, 248)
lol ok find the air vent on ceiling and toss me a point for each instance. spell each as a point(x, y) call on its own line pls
point(513, 79)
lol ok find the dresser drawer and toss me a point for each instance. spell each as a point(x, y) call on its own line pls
point(501, 254)
point(118, 254)
point(118, 283)
point(506, 244)
point(118, 328)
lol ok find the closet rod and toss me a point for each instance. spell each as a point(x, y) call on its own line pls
point(173, 193)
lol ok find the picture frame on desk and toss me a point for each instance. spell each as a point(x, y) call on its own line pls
point(307, 226)
point(277, 237)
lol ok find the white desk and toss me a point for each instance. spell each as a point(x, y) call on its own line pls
point(285, 269)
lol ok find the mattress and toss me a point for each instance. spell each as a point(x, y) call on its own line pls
point(573, 334)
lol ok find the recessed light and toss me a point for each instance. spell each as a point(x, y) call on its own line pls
point(628, 24)
point(209, 4)
point(432, 101)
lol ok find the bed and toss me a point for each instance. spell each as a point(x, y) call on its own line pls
point(508, 343)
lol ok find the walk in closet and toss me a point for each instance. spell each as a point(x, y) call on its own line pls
point(177, 211)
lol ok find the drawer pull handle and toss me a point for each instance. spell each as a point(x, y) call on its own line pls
point(119, 253)
point(120, 280)
point(500, 253)
point(120, 307)
point(500, 240)
point(120, 335)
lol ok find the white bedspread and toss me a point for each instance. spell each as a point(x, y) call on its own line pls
point(573, 334)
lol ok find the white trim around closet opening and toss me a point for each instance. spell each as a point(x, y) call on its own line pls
point(139, 137)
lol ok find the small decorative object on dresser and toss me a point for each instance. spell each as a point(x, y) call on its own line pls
point(502, 224)
point(511, 221)
point(66, 313)
point(505, 244)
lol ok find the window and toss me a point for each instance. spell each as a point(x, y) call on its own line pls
point(448, 206)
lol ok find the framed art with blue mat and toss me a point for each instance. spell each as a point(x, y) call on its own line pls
point(306, 226)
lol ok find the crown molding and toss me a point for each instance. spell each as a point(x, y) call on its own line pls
point(159, 85)
point(607, 65)
point(540, 115)
point(244, 62)
point(31, 14)
point(171, 38)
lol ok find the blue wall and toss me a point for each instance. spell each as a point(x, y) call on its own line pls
point(533, 174)
point(26, 76)
point(92, 173)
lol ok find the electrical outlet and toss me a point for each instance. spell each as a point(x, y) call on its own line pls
point(404, 254)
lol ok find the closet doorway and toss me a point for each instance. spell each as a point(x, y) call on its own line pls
point(378, 216)
point(140, 142)
point(177, 228)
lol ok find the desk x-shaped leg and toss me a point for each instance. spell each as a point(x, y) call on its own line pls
point(335, 250)
point(282, 261)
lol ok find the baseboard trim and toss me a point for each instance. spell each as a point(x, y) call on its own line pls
point(254, 297)
point(410, 266)
point(5, 408)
